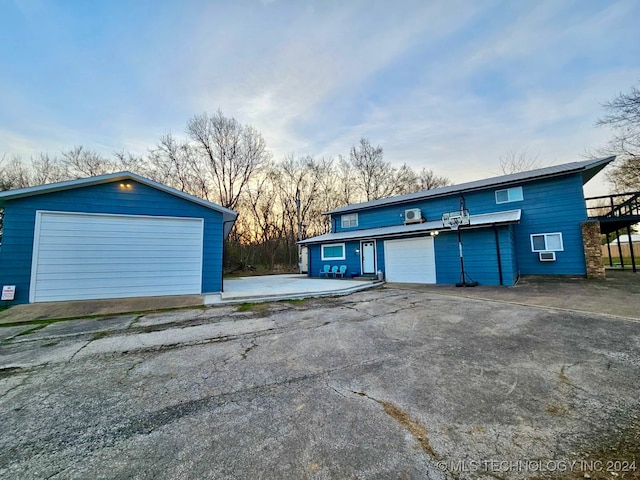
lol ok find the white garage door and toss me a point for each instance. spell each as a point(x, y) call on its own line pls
point(93, 256)
point(410, 260)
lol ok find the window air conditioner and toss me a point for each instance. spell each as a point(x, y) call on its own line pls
point(547, 256)
point(412, 215)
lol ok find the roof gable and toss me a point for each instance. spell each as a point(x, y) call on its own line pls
point(228, 215)
point(588, 168)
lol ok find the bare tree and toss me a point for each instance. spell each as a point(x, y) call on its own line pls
point(347, 190)
point(228, 152)
point(80, 162)
point(13, 173)
point(174, 163)
point(515, 161)
point(265, 229)
point(427, 179)
point(46, 169)
point(333, 191)
point(374, 177)
point(623, 117)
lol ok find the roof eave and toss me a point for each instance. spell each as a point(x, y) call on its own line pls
point(228, 215)
point(587, 174)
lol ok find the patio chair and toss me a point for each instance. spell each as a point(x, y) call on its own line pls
point(334, 271)
point(342, 271)
point(326, 270)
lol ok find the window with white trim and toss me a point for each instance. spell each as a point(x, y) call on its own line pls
point(509, 195)
point(349, 220)
point(547, 242)
point(334, 251)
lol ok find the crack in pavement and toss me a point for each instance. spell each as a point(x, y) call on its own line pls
point(248, 349)
point(78, 351)
point(97, 436)
point(414, 427)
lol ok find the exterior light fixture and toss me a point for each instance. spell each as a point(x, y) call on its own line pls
point(435, 233)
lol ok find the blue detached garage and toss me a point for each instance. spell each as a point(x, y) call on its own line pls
point(111, 236)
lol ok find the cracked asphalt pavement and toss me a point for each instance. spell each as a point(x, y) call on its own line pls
point(385, 383)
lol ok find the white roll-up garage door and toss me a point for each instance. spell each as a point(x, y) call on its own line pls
point(410, 260)
point(94, 256)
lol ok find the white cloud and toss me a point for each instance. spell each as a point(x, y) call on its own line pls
point(315, 77)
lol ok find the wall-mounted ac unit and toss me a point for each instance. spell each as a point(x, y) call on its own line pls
point(412, 215)
point(547, 256)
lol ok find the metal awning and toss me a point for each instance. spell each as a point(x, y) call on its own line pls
point(476, 221)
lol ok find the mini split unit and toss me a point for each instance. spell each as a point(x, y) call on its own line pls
point(412, 215)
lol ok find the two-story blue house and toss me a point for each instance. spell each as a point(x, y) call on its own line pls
point(519, 224)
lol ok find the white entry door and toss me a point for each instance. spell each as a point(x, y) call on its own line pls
point(410, 260)
point(368, 252)
point(82, 256)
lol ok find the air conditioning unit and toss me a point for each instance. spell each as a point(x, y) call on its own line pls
point(412, 215)
point(547, 256)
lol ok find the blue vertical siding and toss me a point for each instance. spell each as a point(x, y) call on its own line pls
point(380, 254)
point(550, 205)
point(553, 206)
point(480, 256)
point(511, 262)
point(352, 259)
point(19, 223)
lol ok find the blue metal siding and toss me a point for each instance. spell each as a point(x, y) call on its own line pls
point(19, 223)
point(477, 202)
point(556, 206)
point(352, 259)
point(550, 205)
point(480, 256)
point(380, 254)
point(512, 260)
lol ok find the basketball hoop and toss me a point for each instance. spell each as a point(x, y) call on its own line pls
point(455, 219)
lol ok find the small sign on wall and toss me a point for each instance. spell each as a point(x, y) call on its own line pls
point(8, 293)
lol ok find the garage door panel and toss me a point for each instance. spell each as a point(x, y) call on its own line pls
point(113, 253)
point(115, 292)
point(62, 243)
point(92, 256)
point(109, 272)
point(168, 267)
point(410, 260)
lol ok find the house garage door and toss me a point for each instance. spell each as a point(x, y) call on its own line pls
point(410, 260)
point(93, 256)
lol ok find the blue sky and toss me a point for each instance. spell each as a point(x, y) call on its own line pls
point(449, 85)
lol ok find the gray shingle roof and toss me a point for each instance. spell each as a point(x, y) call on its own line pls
point(589, 169)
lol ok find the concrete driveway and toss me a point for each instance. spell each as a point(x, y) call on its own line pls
point(237, 290)
point(385, 383)
point(281, 287)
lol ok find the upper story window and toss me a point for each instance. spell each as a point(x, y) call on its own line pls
point(547, 242)
point(349, 220)
point(509, 195)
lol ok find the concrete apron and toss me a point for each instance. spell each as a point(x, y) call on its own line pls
point(283, 287)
